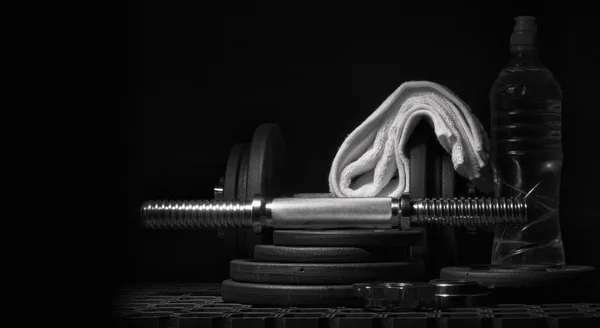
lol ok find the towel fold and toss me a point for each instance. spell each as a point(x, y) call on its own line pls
point(372, 160)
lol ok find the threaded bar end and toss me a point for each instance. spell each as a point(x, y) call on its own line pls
point(469, 211)
point(194, 214)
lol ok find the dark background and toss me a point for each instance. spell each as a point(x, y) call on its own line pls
point(201, 79)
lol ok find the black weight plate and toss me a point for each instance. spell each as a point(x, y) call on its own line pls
point(289, 295)
point(243, 251)
point(230, 193)
point(418, 144)
point(348, 238)
point(515, 275)
point(324, 273)
point(441, 240)
point(264, 175)
point(287, 254)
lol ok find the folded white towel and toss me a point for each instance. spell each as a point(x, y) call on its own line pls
point(367, 161)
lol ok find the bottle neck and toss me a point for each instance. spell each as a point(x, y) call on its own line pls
point(524, 54)
point(523, 42)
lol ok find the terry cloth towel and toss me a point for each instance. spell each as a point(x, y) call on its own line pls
point(372, 161)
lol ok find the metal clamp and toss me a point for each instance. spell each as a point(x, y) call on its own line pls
point(399, 296)
point(460, 294)
point(438, 293)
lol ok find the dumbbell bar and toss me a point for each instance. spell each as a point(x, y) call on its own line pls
point(333, 213)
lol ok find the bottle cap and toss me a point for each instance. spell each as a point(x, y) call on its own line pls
point(523, 37)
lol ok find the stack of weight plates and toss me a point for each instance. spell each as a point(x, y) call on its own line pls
point(318, 268)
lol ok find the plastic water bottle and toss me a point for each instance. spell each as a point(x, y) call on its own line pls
point(527, 151)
